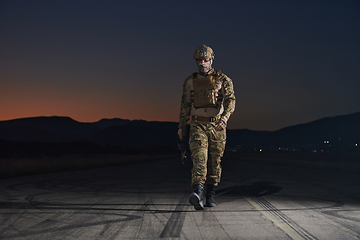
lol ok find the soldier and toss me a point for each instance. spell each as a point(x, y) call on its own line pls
point(208, 100)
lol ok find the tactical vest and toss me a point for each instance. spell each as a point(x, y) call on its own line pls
point(204, 93)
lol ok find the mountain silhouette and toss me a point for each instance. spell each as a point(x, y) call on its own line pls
point(340, 132)
point(138, 133)
point(104, 132)
point(46, 129)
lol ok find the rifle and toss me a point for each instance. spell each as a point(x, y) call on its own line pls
point(182, 149)
point(183, 144)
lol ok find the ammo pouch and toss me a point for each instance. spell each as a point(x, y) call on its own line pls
point(204, 94)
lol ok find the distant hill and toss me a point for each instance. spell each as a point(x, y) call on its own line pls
point(340, 133)
point(138, 133)
point(335, 133)
point(106, 131)
point(244, 139)
point(46, 129)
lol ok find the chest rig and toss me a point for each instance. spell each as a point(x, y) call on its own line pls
point(206, 91)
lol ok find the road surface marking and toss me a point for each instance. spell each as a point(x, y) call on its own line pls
point(175, 223)
point(279, 219)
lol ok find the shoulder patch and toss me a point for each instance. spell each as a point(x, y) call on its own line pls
point(216, 73)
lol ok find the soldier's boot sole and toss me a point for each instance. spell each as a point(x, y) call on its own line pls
point(195, 200)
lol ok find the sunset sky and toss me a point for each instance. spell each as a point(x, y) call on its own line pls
point(291, 61)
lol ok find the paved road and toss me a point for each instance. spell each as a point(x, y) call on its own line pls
point(148, 200)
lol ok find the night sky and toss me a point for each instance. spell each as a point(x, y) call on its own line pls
point(291, 61)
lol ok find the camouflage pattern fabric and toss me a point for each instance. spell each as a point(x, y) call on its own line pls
point(206, 144)
point(187, 106)
point(207, 147)
point(229, 97)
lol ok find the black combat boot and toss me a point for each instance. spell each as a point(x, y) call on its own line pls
point(196, 198)
point(210, 195)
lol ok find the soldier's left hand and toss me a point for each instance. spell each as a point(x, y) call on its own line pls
point(221, 125)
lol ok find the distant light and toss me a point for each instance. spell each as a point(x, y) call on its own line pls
point(260, 150)
point(355, 144)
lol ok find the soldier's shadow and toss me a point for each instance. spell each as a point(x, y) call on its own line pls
point(257, 189)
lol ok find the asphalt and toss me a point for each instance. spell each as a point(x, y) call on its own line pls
point(149, 200)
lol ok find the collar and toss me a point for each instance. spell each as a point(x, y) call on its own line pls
point(208, 73)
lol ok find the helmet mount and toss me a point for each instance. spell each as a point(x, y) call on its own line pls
point(204, 52)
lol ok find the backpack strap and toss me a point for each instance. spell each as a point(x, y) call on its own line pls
point(194, 76)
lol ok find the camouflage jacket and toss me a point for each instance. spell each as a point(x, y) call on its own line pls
point(225, 109)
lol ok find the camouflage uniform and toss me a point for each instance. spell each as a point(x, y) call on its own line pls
point(207, 145)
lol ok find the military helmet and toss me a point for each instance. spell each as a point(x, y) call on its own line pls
point(204, 52)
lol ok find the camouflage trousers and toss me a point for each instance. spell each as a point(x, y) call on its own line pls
point(207, 147)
